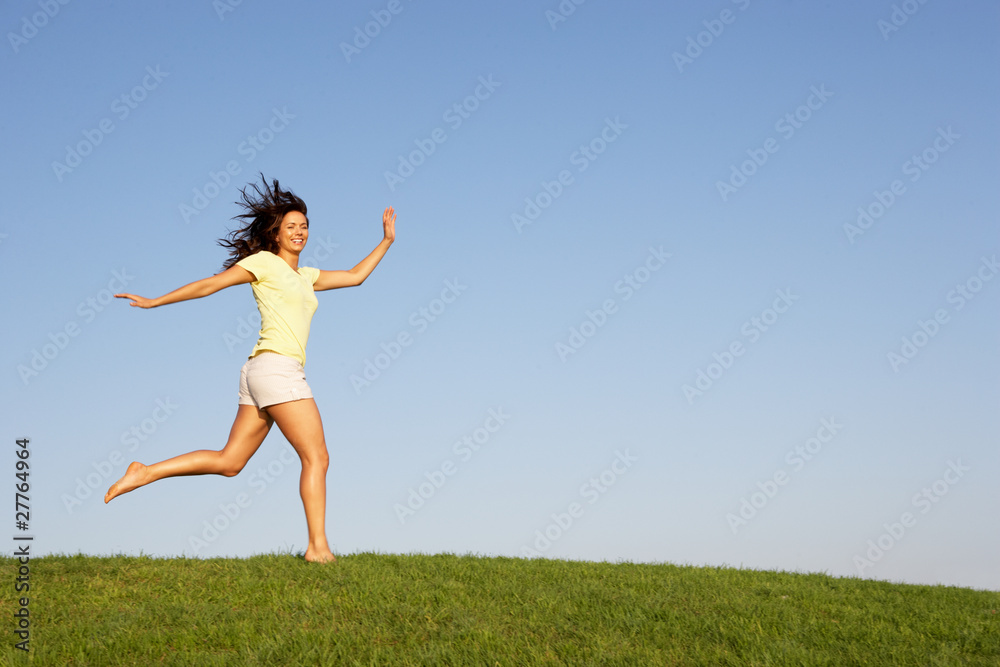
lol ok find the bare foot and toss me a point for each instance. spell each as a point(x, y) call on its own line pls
point(134, 477)
point(317, 556)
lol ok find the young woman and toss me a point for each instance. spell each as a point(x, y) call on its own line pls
point(265, 252)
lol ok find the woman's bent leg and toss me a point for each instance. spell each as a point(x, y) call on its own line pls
point(301, 424)
point(249, 430)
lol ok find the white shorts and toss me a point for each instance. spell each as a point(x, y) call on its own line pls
point(271, 378)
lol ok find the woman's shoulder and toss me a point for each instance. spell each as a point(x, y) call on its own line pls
point(261, 264)
point(260, 256)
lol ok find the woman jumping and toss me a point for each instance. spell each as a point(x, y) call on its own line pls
point(265, 252)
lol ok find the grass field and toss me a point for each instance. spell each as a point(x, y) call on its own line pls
point(370, 609)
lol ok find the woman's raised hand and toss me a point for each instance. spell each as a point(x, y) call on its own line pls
point(389, 224)
point(138, 301)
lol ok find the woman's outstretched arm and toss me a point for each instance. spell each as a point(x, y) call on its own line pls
point(356, 276)
point(234, 275)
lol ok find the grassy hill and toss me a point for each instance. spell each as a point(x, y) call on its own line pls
point(370, 609)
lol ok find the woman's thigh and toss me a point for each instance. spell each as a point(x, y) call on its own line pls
point(302, 426)
point(249, 429)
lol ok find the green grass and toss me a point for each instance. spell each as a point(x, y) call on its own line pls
point(370, 609)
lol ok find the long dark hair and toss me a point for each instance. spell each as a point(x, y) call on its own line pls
point(263, 211)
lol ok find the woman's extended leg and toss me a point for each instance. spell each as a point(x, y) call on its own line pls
point(249, 430)
point(301, 424)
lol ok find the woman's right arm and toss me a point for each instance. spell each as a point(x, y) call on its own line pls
point(234, 275)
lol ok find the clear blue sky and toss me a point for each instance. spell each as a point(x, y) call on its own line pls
point(687, 315)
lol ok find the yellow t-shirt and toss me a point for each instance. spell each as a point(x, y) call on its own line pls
point(286, 302)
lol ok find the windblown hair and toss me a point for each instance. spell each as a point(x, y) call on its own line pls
point(263, 211)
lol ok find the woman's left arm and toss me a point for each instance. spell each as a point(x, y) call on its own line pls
point(357, 275)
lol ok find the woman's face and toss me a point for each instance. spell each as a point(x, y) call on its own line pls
point(293, 232)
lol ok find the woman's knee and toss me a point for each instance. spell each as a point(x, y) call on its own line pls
point(322, 461)
point(318, 458)
point(229, 466)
